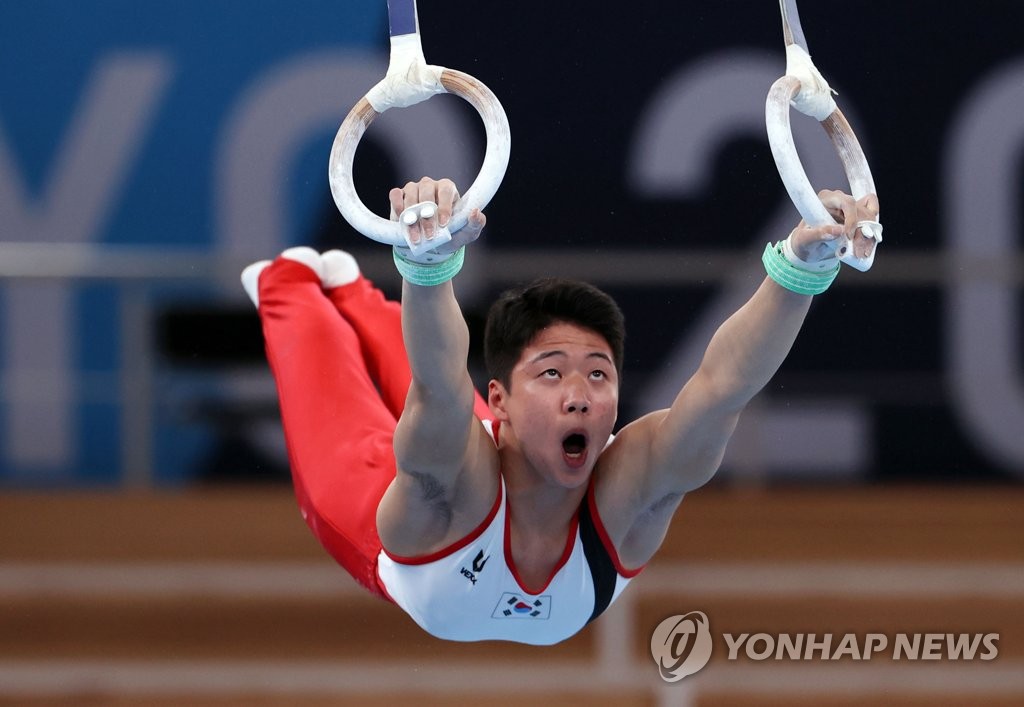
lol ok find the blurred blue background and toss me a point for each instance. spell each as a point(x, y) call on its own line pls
point(148, 151)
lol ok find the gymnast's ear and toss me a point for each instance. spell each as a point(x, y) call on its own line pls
point(497, 397)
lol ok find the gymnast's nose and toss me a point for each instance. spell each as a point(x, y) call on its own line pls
point(576, 399)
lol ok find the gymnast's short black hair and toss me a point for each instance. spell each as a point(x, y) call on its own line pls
point(520, 313)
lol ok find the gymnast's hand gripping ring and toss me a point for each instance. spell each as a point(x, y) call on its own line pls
point(809, 93)
point(410, 80)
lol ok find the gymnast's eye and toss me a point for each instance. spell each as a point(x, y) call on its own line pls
point(551, 373)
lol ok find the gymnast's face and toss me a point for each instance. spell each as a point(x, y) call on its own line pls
point(562, 402)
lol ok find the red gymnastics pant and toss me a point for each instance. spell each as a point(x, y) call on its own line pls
point(342, 377)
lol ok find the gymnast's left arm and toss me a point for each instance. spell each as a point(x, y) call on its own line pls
point(685, 444)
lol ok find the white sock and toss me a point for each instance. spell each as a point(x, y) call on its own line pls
point(308, 257)
point(251, 280)
point(339, 268)
point(300, 254)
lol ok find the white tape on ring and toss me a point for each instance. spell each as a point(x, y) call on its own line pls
point(409, 80)
point(815, 95)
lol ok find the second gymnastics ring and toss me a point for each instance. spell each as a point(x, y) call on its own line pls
point(805, 89)
point(410, 80)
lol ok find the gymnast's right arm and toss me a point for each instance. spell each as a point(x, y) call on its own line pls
point(439, 444)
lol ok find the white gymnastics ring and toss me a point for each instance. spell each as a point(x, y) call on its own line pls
point(809, 93)
point(409, 81)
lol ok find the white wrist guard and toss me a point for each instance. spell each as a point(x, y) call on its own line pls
point(825, 265)
point(413, 215)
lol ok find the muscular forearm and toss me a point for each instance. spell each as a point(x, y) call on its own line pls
point(432, 433)
point(436, 339)
point(749, 347)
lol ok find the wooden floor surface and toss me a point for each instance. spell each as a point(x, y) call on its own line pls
point(220, 596)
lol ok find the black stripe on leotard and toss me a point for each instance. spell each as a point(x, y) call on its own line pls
point(601, 567)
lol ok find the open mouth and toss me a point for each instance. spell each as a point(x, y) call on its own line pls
point(574, 446)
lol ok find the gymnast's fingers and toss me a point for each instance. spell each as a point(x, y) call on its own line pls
point(447, 196)
point(396, 200)
point(410, 196)
point(866, 210)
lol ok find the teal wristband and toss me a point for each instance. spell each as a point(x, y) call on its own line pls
point(429, 274)
point(804, 282)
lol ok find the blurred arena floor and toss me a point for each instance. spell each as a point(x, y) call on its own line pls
point(220, 596)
